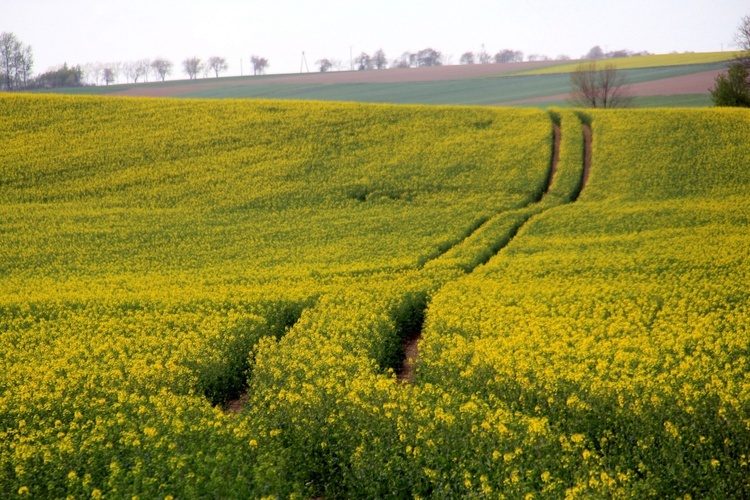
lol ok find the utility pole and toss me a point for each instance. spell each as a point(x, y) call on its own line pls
point(303, 63)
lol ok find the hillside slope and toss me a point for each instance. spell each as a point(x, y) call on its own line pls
point(160, 258)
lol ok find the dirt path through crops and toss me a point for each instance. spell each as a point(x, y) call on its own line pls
point(586, 156)
point(555, 155)
point(235, 406)
point(411, 345)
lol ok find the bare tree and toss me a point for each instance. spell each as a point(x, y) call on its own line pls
point(537, 57)
point(192, 66)
point(484, 57)
point(259, 64)
point(363, 62)
point(162, 67)
point(562, 57)
point(24, 66)
point(324, 65)
point(407, 60)
point(742, 40)
point(145, 68)
point(16, 62)
point(599, 87)
point(91, 73)
point(429, 57)
point(108, 75)
point(217, 65)
point(379, 61)
point(467, 58)
point(132, 71)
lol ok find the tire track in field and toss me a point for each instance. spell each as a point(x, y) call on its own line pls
point(411, 344)
point(407, 372)
point(554, 159)
point(587, 140)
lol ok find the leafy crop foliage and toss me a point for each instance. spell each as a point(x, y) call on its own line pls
point(619, 324)
point(159, 257)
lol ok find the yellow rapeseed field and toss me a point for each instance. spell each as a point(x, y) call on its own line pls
point(159, 258)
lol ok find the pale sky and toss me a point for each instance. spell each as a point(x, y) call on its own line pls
point(82, 31)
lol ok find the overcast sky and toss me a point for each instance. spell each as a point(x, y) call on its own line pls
point(81, 31)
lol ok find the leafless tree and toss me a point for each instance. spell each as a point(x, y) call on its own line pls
point(24, 66)
point(192, 66)
point(379, 61)
point(119, 69)
point(162, 67)
point(108, 75)
point(742, 40)
point(407, 60)
point(16, 62)
point(429, 57)
point(484, 57)
point(91, 73)
point(324, 65)
point(562, 57)
point(537, 57)
point(363, 61)
point(259, 64)
point(467, 58)
point(145, 68)
point(599, 87)
point(217, 65)
point(133, 71)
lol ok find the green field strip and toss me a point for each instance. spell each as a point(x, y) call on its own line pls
point(658, 60)
point(470, 92)
point(479, 91)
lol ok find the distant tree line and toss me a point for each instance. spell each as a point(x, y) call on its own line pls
point(596, 53)
point(16, 62)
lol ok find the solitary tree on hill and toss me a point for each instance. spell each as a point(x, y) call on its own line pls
point(599, 87)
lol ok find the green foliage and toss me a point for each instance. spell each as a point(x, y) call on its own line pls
point(732, 88)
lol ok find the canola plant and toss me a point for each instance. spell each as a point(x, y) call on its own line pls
point(162, 257)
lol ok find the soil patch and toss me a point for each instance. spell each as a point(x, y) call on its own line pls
point(411, 350)
point(586, 156)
